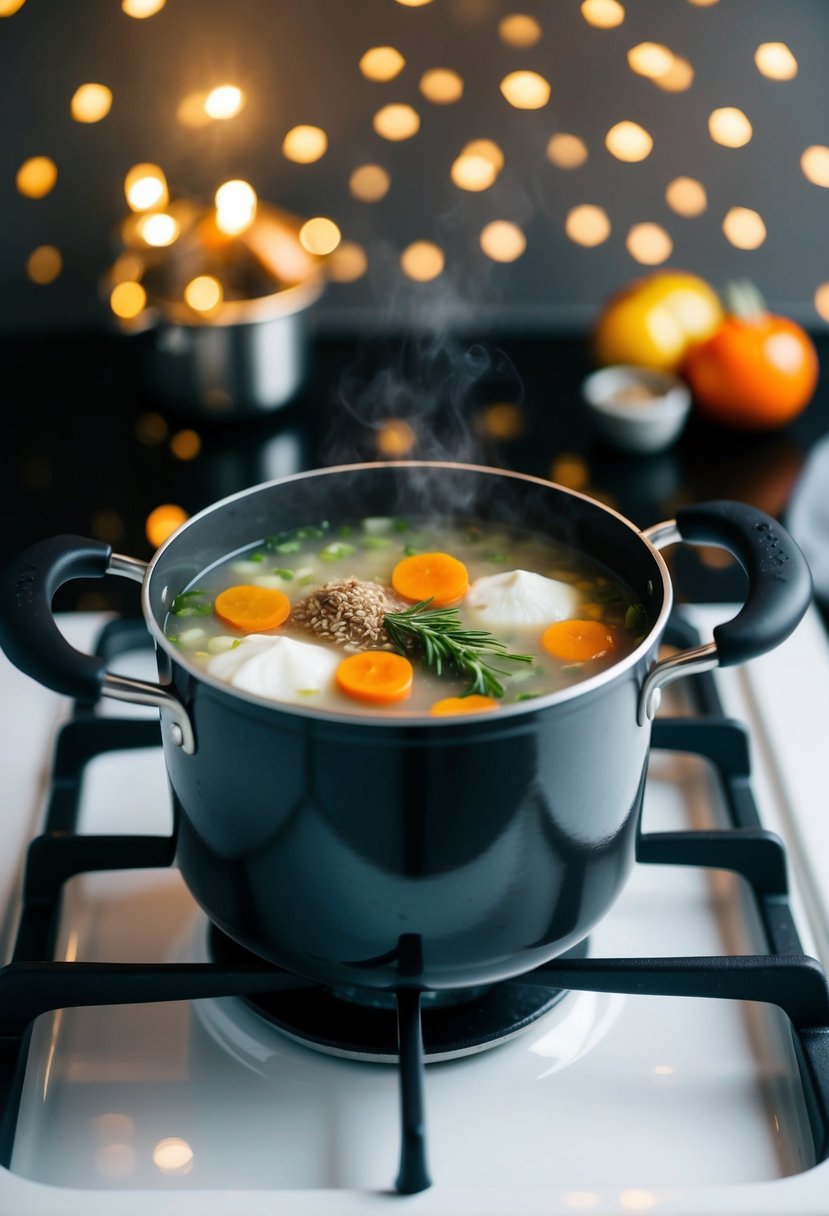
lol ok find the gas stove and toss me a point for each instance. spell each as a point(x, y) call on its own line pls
point(597, 1097)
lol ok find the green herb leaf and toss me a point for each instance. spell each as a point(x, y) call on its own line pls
point(376, 542)
point(495, 557)
point(191, 603)
point(636, 619)
point(256, 557)
point(446, 645)
point(527, 696)
point(284, 572)
point(237, 642)
point(409, 550)
point(336, 551)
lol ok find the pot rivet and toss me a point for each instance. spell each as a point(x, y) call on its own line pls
point(176, 734)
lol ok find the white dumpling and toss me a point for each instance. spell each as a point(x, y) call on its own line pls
point(278, 667)
point(519, 597)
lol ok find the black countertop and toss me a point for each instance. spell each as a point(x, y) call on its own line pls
point(87, 450)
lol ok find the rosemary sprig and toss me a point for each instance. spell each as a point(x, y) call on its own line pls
point(446, 645)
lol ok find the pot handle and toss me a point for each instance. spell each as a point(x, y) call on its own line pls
point(780, 589)
point(33, 642)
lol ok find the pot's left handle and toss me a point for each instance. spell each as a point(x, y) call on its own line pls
point(33, 642)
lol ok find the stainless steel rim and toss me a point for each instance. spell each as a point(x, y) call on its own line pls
point(368, 721)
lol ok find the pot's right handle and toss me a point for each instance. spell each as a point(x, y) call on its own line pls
point(779, 592)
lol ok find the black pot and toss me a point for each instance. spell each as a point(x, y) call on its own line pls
point(435, 853)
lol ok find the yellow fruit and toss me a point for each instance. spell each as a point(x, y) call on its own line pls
point(655, 321)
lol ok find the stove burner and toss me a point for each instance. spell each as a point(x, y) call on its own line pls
point(362, 1028)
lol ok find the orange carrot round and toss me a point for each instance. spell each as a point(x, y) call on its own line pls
point(438, 577)
point(378, 676)
point(472, 704)
point(252, 609)
point(578, 641)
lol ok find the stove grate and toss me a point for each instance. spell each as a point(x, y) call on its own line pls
point(33, 983)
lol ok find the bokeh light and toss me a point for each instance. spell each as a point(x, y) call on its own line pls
point(503, 241)
point(9, 7)
point(396, 122)
point(473, 172)
point(395, 438)
point(320, 235)
point(603, 14)
point(414, 3)
point(369, 183)
point(744, 228)
point(686, 196)
point(127, 300)
point(822, 301)
point(441, 86)
point(36, 177)
point(422, 261)
point(678, 78)
point(502, 420)
point(650, 59)
point(158, 229)
point(566, 151)
point(142, 8)
point(775, 61)
point(44, 264)
point(649, 244)
point(90, 103)
point(519, 30)
point(223, 102)
point(305, 144)
point(382, 63)
point(235, 207)
point(185, 445)
point(730, 127)
point(587, 225)
point(628, 141)
point(815, 164)
point(162, 523)
point(145, 187)
point(347, 263)
point(204, 293)
point(526, 90)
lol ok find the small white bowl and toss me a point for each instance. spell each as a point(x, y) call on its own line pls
point(646, 425)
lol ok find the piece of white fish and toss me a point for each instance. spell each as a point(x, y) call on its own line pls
point(519, 597)
point(279, 668)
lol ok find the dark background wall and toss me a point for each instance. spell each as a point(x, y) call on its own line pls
point(298, 63)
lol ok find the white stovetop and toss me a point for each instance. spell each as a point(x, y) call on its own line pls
point(607, 1105)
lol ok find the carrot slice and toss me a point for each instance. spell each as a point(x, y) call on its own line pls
point(472, 704)
point(378, 676)
point(578, 641)
point(252, 609)
point(431, 576)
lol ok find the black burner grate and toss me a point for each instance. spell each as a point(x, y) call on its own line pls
point(32, 984)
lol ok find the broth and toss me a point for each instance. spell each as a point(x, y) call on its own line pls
point(545, 590)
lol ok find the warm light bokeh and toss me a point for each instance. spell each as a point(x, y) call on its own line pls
point(185, 445)
point(744, 228)
point(142, 8)
point(566, 151)
point(223, 102)
point(158, 229)
point(235, 207)
point(36, 177)
point(347, 263)
point(587, 225)
point(9, 7)
point(649, 244)
point(678, 78)
point(730, 127)
point(127, 300)
point(305, 144)
point(145, 187)
point(422, 261)
point(382, 63)
point(519, 30)
point(204, 293)
point(320, 235)
point(396, 122)
point(90, 103)
point(441, 86)
point(686, 196)
point(44, 264)
point(162, 523)
point(822, 301)
point(526, 90)
point(503, 241)
point(815, 165)
point(395, 438)
point(369, 183)
point(775, 61)
point(650, 59)
point(473, 172)
point(629, 142)
point(603, 14)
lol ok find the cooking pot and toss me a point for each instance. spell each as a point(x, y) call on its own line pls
point(387, 852)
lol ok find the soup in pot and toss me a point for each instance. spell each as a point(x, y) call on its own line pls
point(399, 616)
